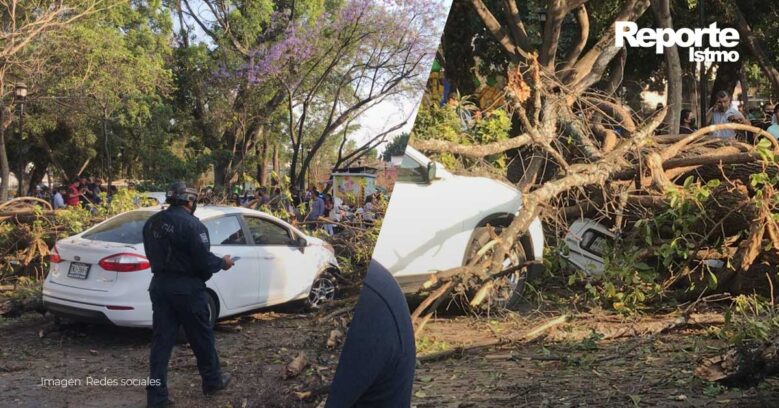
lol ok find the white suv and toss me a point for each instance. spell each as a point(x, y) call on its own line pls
point(435, 221)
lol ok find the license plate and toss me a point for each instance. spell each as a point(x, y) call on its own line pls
point(78, 270)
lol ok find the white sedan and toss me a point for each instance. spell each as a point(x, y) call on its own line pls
point(437, 220)
point(103, 275)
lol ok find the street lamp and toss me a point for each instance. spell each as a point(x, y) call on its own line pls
point(20, 94)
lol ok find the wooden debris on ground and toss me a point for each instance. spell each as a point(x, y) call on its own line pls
point(296, 366)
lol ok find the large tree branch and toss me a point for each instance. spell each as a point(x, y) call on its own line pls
point(555, 14)
point(517, 27)
point(472, 151)
point(754, 46)
point(222, 22)
point(595, 173)
point(582, 35)
point(497, 31)
point(673, 67)
point(616, 73)
point(589, 69)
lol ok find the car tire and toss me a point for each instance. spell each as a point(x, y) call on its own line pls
point(507, 295)
point(323, 290)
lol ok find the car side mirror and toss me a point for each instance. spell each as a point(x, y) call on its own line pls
point(300, 243)
point(431, 171)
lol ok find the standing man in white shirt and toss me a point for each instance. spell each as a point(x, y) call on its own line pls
point(59, 199)
point(721, 113)
point(774, 128)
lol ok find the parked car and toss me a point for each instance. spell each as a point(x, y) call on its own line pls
point(586, 241)
point(103, 275)
point(437, 220)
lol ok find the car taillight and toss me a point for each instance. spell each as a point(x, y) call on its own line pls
point(124, 263)
point(54, 256)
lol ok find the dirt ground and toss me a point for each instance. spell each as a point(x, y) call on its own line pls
point(571, 367)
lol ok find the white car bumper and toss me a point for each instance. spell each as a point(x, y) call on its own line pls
point(96, 306)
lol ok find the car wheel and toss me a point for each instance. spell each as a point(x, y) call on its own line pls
point(323, 290)
point(507, 291)
point(213, 311)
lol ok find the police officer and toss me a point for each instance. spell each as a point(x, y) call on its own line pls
point(376, 366)
point(178, 248)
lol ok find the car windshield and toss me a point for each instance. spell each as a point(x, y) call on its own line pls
point(412, 171)
point(124, 229)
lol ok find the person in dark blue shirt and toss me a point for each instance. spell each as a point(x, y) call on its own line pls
point(178, 248)
point(376, 367)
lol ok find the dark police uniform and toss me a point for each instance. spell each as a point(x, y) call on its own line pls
point(178, 248)
point(376, 367)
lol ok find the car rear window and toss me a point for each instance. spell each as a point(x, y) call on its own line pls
point(125, 229)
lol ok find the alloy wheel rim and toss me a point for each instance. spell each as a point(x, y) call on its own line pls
point(322, 291)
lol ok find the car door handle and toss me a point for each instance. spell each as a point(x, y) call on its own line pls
point(268, 257)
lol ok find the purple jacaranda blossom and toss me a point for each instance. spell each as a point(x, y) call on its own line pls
point(387, 35)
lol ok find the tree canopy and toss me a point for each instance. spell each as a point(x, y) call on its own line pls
point(209, 91)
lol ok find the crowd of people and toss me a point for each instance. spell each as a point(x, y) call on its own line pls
point(725, 111)
point(87, 192)
point(312, 208)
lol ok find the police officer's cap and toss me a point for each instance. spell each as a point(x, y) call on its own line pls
point(180, 193)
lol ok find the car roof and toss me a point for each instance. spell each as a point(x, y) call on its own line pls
point(208, 211)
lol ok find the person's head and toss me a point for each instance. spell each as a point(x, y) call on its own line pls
point(776, 113)
point(62, 189)
point(722, 101)
point(99, 182)
point(687, 118)
point(83, 180)
point(179, 194)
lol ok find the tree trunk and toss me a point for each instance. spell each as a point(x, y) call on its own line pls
point(4, 167)
point(690, 97)
point(39, 170)
point(293, 171)
point(754, 46)
point(727, 77)
point(742, 79)
point(221, 171)
point(276, 160)
point(673, 68)
point(262, 162)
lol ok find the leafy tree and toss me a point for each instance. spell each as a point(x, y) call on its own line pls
point(26, 23)
point(103, 94)
point(395, 147)
point(349, 60)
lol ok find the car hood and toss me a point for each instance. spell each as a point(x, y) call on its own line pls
point(493, 194)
